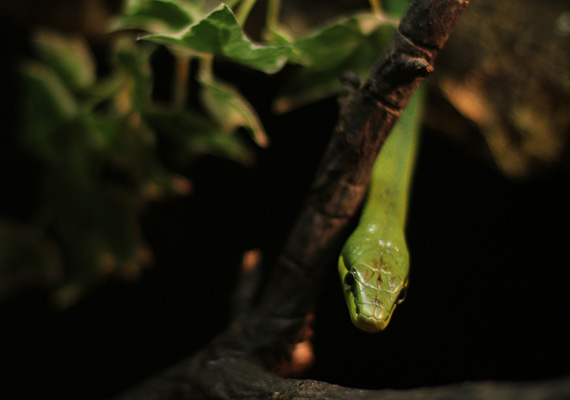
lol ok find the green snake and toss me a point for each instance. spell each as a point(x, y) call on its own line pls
point(374, 262)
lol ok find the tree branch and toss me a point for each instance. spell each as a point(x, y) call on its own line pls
point(368, 113)
point(242, 379)
point(235, 365)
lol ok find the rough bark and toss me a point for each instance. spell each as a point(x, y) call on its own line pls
point(242, 379)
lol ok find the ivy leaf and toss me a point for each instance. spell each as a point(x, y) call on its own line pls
point(68, 56)
point(97, 230)
point(396, 7)
point(157, 15)
point(231, 109)
point(351, 44)
point(191, 135)
point(48, 106)
point(220, 33)
point(330, 46)
point(133, 62)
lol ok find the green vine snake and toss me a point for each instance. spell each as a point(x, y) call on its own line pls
point(374, 262)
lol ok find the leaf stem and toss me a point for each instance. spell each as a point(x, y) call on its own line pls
point(232, 3)
point(206, 68)
point(180, 84)
point(244, 10)
point(376, 6)
point(273, 9)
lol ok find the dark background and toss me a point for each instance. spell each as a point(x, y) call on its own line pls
point(489, 290)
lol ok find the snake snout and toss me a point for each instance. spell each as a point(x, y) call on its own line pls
point(369, 324)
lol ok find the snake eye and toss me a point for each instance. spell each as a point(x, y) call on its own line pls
point(349, 279)
point(402, 295)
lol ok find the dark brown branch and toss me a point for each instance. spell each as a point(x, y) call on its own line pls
point(367, 115)
point(244, 380)
point(235, 364)
point(368, 112)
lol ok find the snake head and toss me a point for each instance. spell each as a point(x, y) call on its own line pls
point(374, 283)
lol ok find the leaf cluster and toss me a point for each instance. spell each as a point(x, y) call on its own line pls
point(96, 135)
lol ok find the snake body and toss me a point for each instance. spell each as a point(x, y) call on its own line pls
point(374, 262)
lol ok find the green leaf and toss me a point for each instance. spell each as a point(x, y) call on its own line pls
point(220, 33)
point(48, 104)
point(279, 35)
point(190, 135)
point(396, 7)
point(330, 46)
point(157, 15)
point(351, 44)
point(103, 90)
point(228, 107)
point(102, 131)
point(68, 56)
point(133, 61)
point(97, 229)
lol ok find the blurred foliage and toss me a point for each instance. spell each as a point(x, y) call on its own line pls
point(219, 32)
point(504, 80)
point(95, 135)
point(357, 40)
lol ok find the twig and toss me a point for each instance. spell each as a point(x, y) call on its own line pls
point(180, 83)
